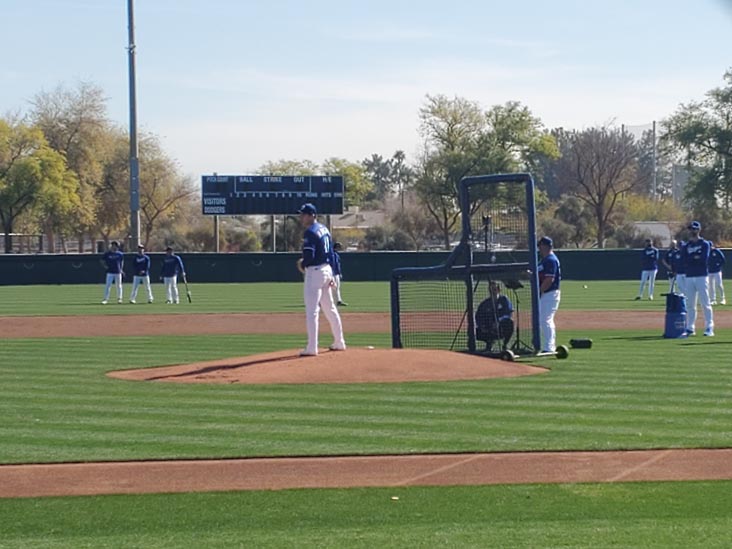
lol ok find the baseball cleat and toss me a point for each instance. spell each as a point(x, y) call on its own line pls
point(307, 353)
point(690, 333)
point(168, 302)
point(149, 300)
point(105, 302)
point(723, 302)
point(638, 298)
point(337, 348)
point(713, 303)
point(709, 332)
point(650, 298)
point(133, 301)
point(342, 304)
point(119, 300)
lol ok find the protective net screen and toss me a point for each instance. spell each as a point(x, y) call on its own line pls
point(499, 220)
point(433, 309)
point(493, 266)
point(433, 313)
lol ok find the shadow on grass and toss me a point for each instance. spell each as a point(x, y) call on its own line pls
point(638, 338)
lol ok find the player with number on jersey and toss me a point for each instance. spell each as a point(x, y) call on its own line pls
point(316, 264)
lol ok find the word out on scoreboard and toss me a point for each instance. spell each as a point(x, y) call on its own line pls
point(270, 194)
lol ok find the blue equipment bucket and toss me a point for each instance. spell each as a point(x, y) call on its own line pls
point(675, 316)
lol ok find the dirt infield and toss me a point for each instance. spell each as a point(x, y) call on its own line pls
point(289, 323)
point(347, 471)
point(359, 365)
point(83, 479)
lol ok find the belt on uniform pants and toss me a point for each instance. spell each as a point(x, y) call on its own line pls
point(316, 267)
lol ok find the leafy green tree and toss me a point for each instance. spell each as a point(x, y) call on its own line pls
point(75, 123)
point(162, 187)
point(31, 174)
point(410, 219)
point(702, 132)
point(289, 167)
point(358, 184)
point(575, 214)
point(112, 193)
point(460, 139)
point(599, 166)
point(378, 170)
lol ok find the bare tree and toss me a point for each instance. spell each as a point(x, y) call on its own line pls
point(598, 166)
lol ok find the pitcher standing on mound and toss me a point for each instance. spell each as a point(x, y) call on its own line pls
point(316, 264)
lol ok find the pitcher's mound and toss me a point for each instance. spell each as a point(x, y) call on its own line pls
point(356, 365)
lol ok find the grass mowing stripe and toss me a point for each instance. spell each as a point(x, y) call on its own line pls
point(683, 514)
point(283, 297)
point(591, 400)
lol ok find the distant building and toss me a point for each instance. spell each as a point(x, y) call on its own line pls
point(662, 232)
point(355, 218)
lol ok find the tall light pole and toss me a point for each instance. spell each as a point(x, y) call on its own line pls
point(134, 161)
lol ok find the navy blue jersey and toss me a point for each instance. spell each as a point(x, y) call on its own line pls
point(716, 260)
point(549, 266)
point(677, 259)
point(141, 264)
point(172, 266)
point(500, 308)
point(336, 263)
point(317, 246)
point(113, 261)
point(649, 259)
point(696, 258)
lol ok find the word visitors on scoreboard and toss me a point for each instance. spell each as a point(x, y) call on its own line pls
point(270, 194)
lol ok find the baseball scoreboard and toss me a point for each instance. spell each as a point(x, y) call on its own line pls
point(270, 194)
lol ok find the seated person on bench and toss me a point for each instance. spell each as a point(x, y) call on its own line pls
point(493, 320)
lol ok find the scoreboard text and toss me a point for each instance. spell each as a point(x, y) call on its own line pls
point(270, 194)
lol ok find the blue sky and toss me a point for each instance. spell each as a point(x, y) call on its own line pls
point(230, 84)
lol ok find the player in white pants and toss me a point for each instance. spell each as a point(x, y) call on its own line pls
point(141, 268)
point(113, 260)
point(716, 285)
point(649, 268)
point(696, 260)
point(550, 275)
point(697, 289)
point(315, 263)
point(172, 267)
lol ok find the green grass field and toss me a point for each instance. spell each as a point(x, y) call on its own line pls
point(632, 390)
point(279, 298)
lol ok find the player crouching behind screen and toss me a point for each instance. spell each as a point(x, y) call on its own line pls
point(493, 320)
point(316, 264)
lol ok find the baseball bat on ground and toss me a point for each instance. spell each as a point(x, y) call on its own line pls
point(188, 292)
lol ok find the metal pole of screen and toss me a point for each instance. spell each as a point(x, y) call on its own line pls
point(134, 161)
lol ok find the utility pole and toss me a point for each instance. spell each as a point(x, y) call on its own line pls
point(655, 166)
point(134, 160)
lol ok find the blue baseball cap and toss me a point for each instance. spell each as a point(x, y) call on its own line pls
point(694, 226)
point(546, 241)
point(308, 209)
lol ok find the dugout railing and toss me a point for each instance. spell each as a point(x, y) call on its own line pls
point(451, 306)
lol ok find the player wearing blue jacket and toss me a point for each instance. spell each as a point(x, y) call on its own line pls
point(172, 267)
point(716, 286)
point(550, 275)
point(649, 268)
point(113, 261)
point(141, 268)
point(696, 262)
point(316, 264)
